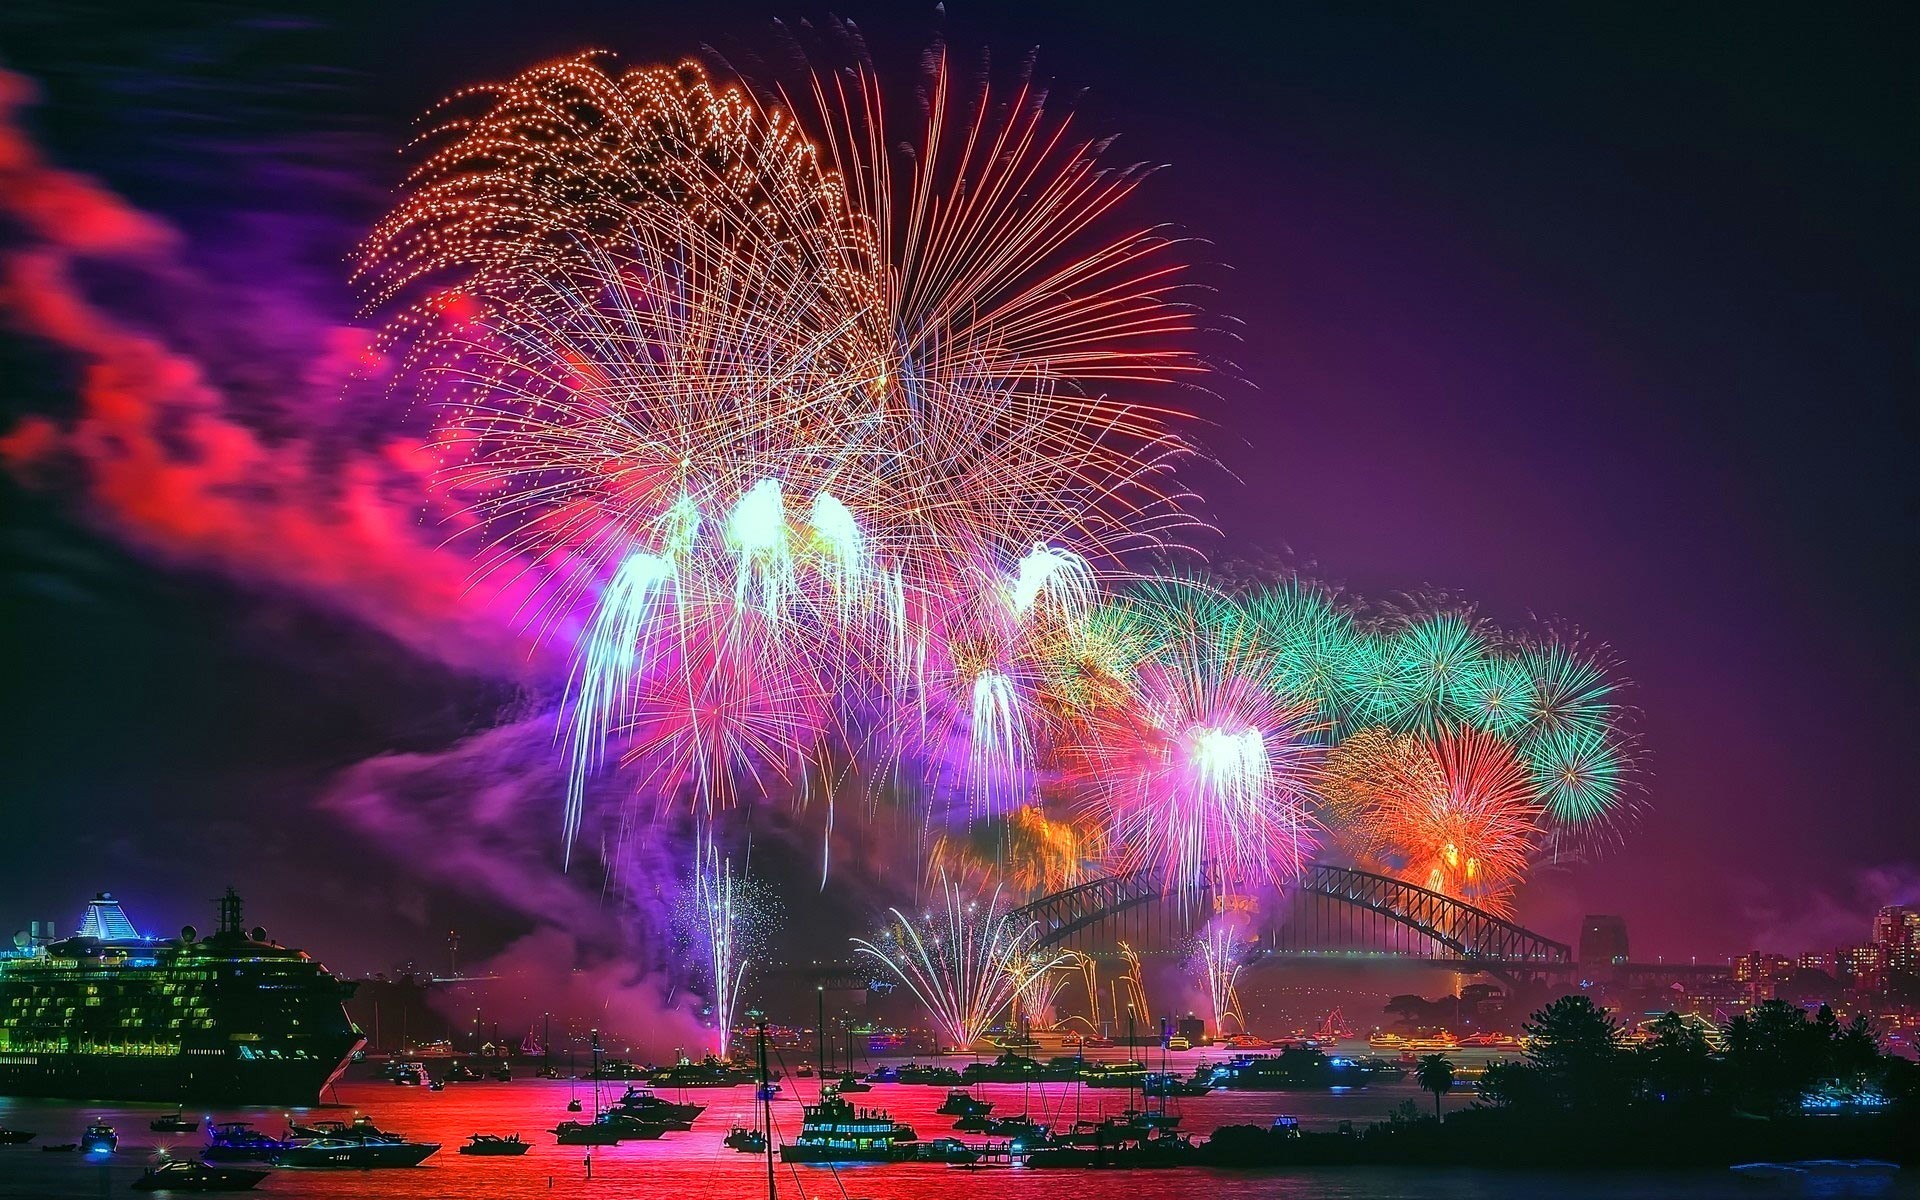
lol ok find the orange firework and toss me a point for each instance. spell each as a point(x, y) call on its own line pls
point(1454, 811)
point(739, 380)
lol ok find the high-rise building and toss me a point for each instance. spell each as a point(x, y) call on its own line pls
point(1896, 930)
point(1822, 963)
point(1760, 974)
point(1603, 941)
point(1862, 967)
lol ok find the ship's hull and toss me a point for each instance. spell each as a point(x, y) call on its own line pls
point(171, 1079)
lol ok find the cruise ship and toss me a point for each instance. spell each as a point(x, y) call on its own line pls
point(231, 1018)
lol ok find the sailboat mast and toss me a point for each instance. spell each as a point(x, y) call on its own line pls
point(766, 1097)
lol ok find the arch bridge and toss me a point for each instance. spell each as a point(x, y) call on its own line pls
point(1332, 913)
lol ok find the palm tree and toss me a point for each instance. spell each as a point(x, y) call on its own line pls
point(1435, 1075)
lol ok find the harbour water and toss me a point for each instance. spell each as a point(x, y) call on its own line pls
point(696, 1164)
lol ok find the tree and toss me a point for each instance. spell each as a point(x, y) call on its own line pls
point(1774, 1053)
point(1574, 1049)
point(1435, 1075)
point(1677, 1063)
point(1509, 1084)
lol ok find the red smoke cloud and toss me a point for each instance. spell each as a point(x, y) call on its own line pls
point(161, 455)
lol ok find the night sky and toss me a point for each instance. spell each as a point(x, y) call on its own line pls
point(1601, 313)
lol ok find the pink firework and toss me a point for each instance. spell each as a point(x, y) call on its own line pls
point(1204, 777)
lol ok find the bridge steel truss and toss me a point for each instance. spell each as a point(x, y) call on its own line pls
point(1441, 927)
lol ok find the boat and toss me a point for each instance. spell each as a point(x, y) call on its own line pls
point(503, 1073)
point(237, 1141)
point(231, 1018)
point(175, 1123)
point(1021, 1130)
point(1163, 1085)
point(1298, 1067)
point(635, 1129)
point(492, 1145)
point(462, 1073)
point(850, 1084)
point(916, 1073)
point(708, 1072)
point(1490, 1041)
point(961, 1103)
point(361, 1130)
point(14, 1137)
point(1018, 1068)
point(1167, 1150)
point(436, 1085)
point(587, 1133)
point(834, 1131)
point(341, 1154)
point(617, 1069)
point(803, 1071)
point(188, 1176)
point(405, 1073)
point(746, 1141)
point(99, 1139)
point(573, 1105)
point(1113, 1074)
point(1830, 1167)
point(643, 1103)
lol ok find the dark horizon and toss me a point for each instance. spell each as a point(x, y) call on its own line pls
point(1605, 315)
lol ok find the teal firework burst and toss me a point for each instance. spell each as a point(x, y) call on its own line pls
point(1307, 640)
point(1374, 684)
point(1436, 659)
point(1497, 695)
point(1571, 693)
point(1578, 773)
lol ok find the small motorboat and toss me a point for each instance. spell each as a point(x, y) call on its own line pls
point(362, 1130)
point(14, 1137)
point(174, 1123)
point(340, 1154)
point(237, 1141)
point(462, 1073)
point(587, 1133)
point(960, 1103)
point(573, 1105)
point(99, 1139)
point(851, 1083)
point(503, 1073)
point(492, 1145)
point(803, 1071)
point(639, 1129)
point(746, 1141)
point(197, 1177)
point(436, 1085)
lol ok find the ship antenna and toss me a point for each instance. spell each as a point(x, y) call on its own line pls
point(230, 911)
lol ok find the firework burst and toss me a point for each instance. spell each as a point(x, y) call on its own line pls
point(774, 399)
point(1454, 812)
point(965, 959)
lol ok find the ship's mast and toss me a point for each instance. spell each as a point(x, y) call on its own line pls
point(766, 1095)
point(229, 911)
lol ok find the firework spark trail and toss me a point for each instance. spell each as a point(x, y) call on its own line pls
point(1218, 961)
point(1135, 981)
point(965, 960)
point(720, 915)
